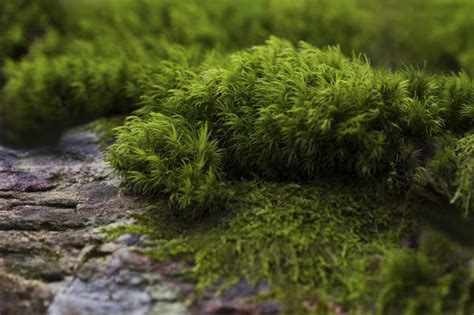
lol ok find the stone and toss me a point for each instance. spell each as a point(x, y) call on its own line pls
point(55, 203)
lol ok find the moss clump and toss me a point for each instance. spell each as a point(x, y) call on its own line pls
point(103, 36)
point(297, 115)
point(207, 122)
point(77, 87)
point(464, 178)
point(169, 156)
point(447, 175)
point(280, 112)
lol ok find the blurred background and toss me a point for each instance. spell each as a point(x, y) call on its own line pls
point(432, 32)
point(65, 62)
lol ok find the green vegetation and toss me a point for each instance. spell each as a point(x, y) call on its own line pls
point(301, 115)
point(266, 153)
point(434, 280)
point(118, 41)
point(169, 156)
point(23, 21)
point(278, 112)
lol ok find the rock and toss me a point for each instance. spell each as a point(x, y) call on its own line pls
point(55, 257)
point(51, 202)
point(234, 302)
point(108, 248)
point(19, 296)
point(100, 296)
point(162, 308)
point(164, 292)
point(116, 280)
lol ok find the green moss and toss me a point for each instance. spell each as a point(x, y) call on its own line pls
point(304, 118)
point(60, 93)
point(170, 157)
point(22, 22)
point(297, 115)
point(119, 42)
point(464, 159)
point(286, 113)
point(75, 88)
point(435, 280)
point(318, 243)
point(320, 248)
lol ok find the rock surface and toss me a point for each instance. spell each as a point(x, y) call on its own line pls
point(54, 259)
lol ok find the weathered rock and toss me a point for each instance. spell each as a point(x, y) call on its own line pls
point(18, 296)
point(54, 259)
point(123, 282)
point(51, 200)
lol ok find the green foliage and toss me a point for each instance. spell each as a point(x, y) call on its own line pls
point(275, 108)
point(220, 24)
point(435, 280)
point(464, 179)
point(208, 117)
point(404, 31)
point(44, 97)
point(448, 173)
point(116, 32)
point(22, 21)
point(311, 244)
point(167, 156)
point(81, 85)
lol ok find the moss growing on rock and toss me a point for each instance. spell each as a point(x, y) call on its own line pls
point(297, 115)
point(319, 249)
point(169, 156)
point(296, 121)
point(437, 279)
point(280, 112)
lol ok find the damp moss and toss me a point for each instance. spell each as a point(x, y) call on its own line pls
point(24, 21)
point(320, 248)
point(89, 51)
point(435, 279)
point(317, 245)
point(289, 113)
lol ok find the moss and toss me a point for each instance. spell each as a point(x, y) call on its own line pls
point(464, 159)
point(290, 113)
point(320, 248)
point(437, 279)
point(167, 156)
point(118, 43)
point(60, 93)
point(22, 22)
point(318, 244)
point(303, 118)
point(107, 36)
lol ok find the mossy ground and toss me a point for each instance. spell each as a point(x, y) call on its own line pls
point(322, 248)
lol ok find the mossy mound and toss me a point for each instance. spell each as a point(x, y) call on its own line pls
point(171, 157)
point(285, 113)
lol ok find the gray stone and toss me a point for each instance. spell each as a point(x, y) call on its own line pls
point(163, 308)
point(164, 292)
